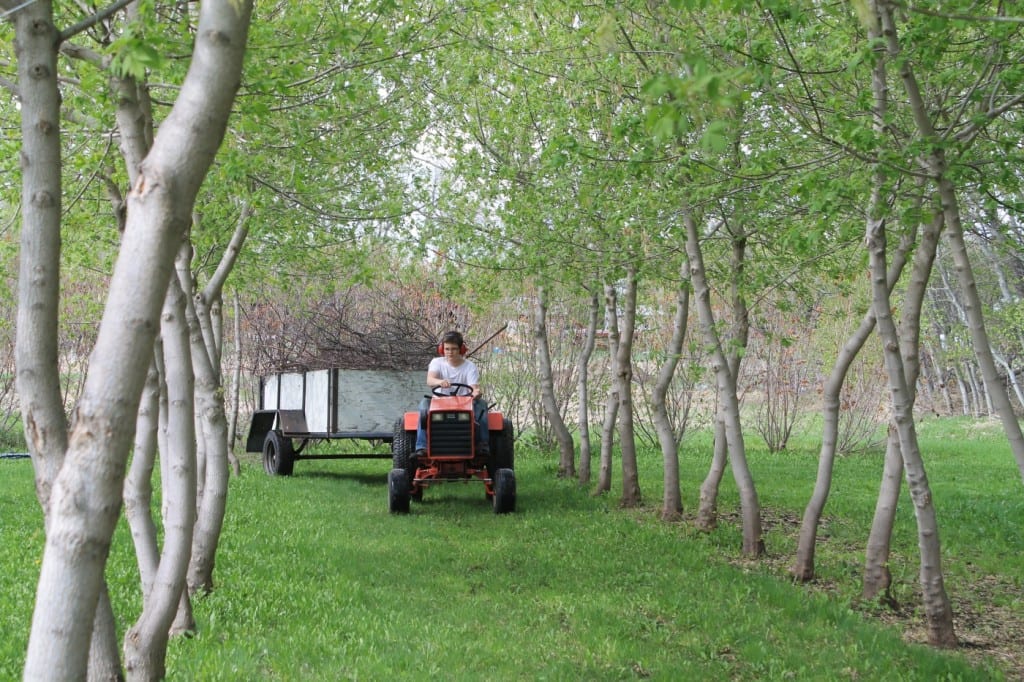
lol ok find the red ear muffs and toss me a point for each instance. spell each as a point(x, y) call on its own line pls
point(462, 349)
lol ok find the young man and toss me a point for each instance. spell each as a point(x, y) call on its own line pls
point(452, 367)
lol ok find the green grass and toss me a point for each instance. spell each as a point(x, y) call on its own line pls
point(316, 581)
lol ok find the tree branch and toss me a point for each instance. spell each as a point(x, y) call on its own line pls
point(91, 21)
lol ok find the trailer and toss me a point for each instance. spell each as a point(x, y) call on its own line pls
point(298, 409)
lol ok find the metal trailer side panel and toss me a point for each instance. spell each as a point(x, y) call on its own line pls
point(270, 385)
point(317, 401)
point(291, 393)
point(371, 400)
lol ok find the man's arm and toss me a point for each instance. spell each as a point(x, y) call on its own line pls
point(434, 380)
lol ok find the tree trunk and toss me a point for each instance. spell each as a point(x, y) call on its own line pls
point(993, 390)
point(707, 502)
point(877, 578)
point(611, 406)
point(210, 435)
point(750, 508)
point(631, 496)
point(138, 487)
point(36, 353)
point(935, 162)
point(583, 391)
point(566, 448)
point(803, 566)
point(145, 643)
point(236, 383)
point(938, 612)
point(87, 493)
point(938, 365)
point(961, 385)
point(1011, 376)
point(104, 652)
point(672, 501)
point(707, 510)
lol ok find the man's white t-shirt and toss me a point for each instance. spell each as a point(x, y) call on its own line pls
point(466, 373)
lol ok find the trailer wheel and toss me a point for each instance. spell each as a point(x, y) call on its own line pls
point(398, 491)
point(502, 450)
point(505, 491)
point(278, 455)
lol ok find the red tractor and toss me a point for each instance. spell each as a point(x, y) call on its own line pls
point(451, 453)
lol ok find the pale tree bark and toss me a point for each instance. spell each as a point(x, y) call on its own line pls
point(36, 353)
point(138, 484)
point(939, 373)
point(803, 565)
point(631, 496)
point(134, 116)
point(979, 391)
point(104, 652)
point(936, 164)
point(212, 426)
point(236, 383)
point(996, 264)
point(611, 405)
point(750, 508)
point(1011, 375)
point(965, 399)
point(877, 578)
point(566, 449)
point(86, 495)
point(707, 502)
point(207, 307)
point(672, 500)
point(583, 388)
point(145, 643)
point(938, 613)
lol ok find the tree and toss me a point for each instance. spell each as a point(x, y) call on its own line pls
point(85, 496)
point(725, 378)
point(672, 504)
point(566, 449)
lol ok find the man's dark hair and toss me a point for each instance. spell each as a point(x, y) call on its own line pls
point(453, 337)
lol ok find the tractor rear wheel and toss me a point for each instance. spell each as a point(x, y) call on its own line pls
point(398, 491)
point(278, 455)
point(505, 491)
point(401, 454)
point(401, 446)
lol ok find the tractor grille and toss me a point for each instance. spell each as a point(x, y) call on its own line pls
point(451, 433)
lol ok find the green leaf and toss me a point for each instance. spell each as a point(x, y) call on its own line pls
point(132, 57)
point(715, 138)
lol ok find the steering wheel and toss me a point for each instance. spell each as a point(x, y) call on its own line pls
point(449, 387)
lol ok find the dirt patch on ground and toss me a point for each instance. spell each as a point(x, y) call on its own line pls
point(986, 628)
point(988, 616)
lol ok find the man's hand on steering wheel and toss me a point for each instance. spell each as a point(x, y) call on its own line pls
point(453, 388)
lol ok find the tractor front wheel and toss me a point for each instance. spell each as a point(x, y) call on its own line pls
point(398, 491)
point(505, 491)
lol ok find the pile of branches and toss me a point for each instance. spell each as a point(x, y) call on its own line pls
point(400, 344)
point(359, 328)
